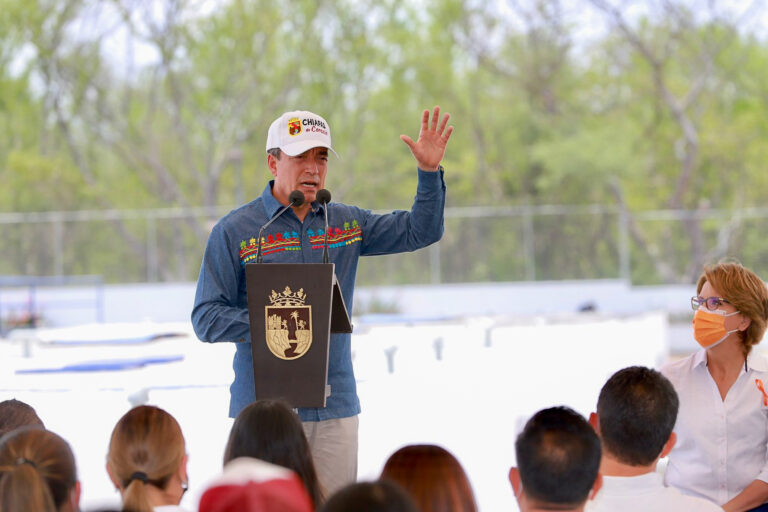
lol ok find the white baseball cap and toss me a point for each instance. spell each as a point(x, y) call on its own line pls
point(298, 131)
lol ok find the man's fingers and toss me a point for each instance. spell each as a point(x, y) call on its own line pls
point(444, 122)
point(408, 141)
point(424, 120)
point(435, 117)
point(448, 133)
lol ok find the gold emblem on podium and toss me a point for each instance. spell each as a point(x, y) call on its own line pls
point(288, 324)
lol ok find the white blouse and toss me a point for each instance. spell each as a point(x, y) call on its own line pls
point(722, 445)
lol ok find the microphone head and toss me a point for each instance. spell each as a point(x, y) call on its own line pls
point(296, 198)
point(323, 196)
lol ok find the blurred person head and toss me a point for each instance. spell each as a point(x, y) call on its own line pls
point(636, 412)
point(269, 430)
point(558, 458)
point(380, 496)
point(15, 413)
point(147, 460)
point(731, 302)
point(432, 476)
point(252, 485)
point(37, 472)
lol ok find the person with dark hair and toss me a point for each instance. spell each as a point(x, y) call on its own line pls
point(722, 427)
point(558, 458)
point(380, 496)
point(432, 476)
point(636, 412)
point(15, 413)
point(269, 430)
point(37, 472)
point(147, 460)
point(297, 153)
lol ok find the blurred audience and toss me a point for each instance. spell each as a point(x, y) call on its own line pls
point(381, 496)
point(37, 472)
point(558, 458)
point(271, 431)
point(147, 460)
point(252, 485)
point(14, 414)
point(636, 412)
point(433, 477)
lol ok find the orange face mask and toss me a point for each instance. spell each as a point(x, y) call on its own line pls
point(709, 326)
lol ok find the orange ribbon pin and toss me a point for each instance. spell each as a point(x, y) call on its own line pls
point(762, 390)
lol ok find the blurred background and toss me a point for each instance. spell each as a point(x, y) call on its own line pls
point(604, 150)
point(593, 139)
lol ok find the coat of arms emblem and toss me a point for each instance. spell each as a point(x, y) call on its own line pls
point(294, 126)
point(288, 324)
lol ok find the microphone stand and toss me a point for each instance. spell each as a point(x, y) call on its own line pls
point(296, 199)
point(324, 197)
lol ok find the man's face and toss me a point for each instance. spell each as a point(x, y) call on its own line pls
point(305, 172)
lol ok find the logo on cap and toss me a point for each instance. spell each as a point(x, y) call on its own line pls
point(294, 126)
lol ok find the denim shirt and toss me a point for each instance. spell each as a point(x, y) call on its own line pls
point(220, 311)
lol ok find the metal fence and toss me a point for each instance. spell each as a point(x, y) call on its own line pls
point(481, 244)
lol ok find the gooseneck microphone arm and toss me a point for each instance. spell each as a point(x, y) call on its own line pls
point(296, 198)
point(324, 197)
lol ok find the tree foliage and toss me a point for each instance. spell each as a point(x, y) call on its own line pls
point(118, 104)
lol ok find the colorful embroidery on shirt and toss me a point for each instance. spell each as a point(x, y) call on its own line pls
point(336, 237)
point(291, 241)
point(279, 242)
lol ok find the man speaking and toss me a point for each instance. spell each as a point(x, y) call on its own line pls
point(298, 146)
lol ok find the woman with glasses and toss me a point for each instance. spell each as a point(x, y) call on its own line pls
point(722, 426)
point(147, 460)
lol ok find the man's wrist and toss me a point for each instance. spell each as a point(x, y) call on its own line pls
point(430, 169)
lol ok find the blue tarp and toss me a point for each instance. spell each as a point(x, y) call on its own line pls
point(107, 365)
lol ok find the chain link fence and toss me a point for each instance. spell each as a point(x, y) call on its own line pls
point(480, 244)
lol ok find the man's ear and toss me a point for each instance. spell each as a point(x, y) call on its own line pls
point(595, 422)
point(668, 445)
point(514, 479)
point(596, 486)
point(272, 164)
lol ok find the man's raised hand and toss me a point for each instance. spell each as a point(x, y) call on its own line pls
point(429, 149)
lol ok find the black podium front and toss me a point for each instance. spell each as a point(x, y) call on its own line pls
point(293, 309)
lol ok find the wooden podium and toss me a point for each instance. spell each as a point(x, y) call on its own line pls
point(293, 309)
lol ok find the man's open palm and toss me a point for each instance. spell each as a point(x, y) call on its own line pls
point(429, 149)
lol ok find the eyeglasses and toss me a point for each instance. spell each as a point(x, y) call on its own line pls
point(712, 302)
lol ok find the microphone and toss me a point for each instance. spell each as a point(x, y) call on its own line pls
point(324, 197)
point(295, 198)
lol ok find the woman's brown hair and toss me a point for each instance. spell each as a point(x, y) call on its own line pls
point(37, 471)
point(745, 291)
point(433, 477)
point(146, 448)
point(15, 413)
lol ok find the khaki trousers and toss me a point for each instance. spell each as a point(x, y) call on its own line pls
point(334, 449)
